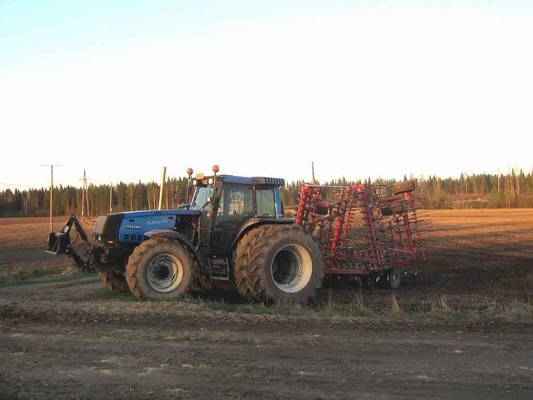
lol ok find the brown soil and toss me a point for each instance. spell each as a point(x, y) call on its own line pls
point(23, 241)
point(61, 341)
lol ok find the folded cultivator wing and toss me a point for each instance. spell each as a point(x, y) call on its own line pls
point(361, 229)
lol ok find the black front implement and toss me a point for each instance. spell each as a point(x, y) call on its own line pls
point(60, 243)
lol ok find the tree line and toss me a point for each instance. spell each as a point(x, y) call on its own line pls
point(511, 190)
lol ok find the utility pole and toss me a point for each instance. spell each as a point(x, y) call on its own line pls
point(82, 203)
point(518, 181)
point(84, 196)
point(313, 172)
point(51, 193)
point(110, 197)
point(130, 190)
point(162, 186)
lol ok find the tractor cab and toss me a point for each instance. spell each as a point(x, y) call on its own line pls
point(232, 204)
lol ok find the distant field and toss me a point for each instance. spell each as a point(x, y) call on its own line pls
point(23, 241)
point(477, 256)
point(485, 240)
point(473, 256)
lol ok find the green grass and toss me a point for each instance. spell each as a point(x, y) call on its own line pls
point(215, 305)
point(108, 294)
point(355, 309)
point(39, 275)
point(439, 309)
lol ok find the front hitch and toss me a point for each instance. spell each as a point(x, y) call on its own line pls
point(60, 243)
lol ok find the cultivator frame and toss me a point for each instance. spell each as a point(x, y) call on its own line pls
point(359, 228)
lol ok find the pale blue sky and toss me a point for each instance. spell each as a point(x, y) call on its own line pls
point(376, 84)
point(31, 30)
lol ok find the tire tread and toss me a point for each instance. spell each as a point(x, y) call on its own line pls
point(252, 252)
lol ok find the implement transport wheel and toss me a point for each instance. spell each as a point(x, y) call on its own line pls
point(392, 278)
point(160, 269)
point(278, 264)
point(114, 281)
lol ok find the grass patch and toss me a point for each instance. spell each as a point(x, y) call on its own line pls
point(39, 275)
point(494, 311)
point(439, 308)
point(513, 311)
point(259, 308)
point(210, 304)
point(108, 294)
point(356, 307)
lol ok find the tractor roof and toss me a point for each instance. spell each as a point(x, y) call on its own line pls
point(244, 180)
point(254, 180)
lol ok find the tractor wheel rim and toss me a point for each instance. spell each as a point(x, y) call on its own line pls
point(164, 273)
point(291, 268)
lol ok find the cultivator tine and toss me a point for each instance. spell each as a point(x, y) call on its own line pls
point(387, 231)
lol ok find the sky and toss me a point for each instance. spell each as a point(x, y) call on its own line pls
point(362, 88)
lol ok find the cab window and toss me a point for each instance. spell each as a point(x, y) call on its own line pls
point(236, 200)
point(201, 197)
point(266, 205)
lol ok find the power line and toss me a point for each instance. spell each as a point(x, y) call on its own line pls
point(21, 185)
point(84, 197)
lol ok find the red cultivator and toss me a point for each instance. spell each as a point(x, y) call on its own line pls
point(360, 229)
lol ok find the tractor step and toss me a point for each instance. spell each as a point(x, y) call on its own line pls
point(219, 268)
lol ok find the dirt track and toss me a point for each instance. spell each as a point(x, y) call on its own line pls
point(77, 347)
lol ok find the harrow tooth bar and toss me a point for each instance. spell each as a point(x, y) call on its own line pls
point(359, 228)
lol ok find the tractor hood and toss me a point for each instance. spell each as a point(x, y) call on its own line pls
point(130, 227)
point(158, 213)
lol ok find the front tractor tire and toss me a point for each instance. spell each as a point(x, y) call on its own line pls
point(278, 264)
point(160, 269)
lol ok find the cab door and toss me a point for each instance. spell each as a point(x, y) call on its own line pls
point(236, 206)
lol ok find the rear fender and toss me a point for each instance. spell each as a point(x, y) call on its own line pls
point(255, 222)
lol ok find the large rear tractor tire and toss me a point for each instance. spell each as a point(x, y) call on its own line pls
point(160, 269)
point(114, 281)
point(278, 264)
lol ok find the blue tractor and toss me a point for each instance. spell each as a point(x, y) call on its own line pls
point(233, 230)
